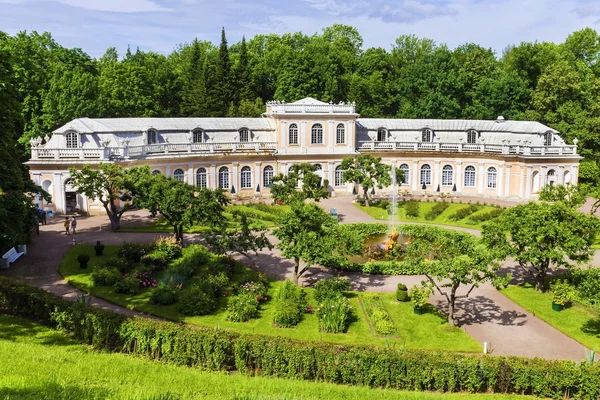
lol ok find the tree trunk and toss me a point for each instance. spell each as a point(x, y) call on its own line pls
point(540, 277)
point(179, 235)
point(451, 307)
point(296, 268)
point(366, 195)
point(115, 223)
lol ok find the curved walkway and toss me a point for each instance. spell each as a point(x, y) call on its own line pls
point(491, 317)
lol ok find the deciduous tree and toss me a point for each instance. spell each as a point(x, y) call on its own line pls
point(300, 183)
point(368, 172)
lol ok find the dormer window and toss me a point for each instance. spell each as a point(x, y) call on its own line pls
point(71, 140)
point(548, 137)
point(472, 136)
point(152, 136)
point(198, 136)
point(244, 135)
point(381, 135)
point(426, 135)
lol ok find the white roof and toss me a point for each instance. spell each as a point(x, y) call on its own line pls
point(311, 101)
point(453, 125)
point(105, 125)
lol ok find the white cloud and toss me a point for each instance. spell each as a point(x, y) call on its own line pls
point(120, 6)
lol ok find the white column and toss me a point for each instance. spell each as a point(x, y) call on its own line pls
point(436, 175)
point(282, 168)
point(331, 136)
point(59, 193)
point(303, 137)
point(459, 178)
point(521, 183)
point(257, 175)
point(528, 183)
point(415, 176)
point(481, 182)
point(234, 180)
point(499, 180)
point(283, 142)
point(190, 174)
point(350, 136)
point(507, 170)
point(213, 176)
point(561, 175)
point(543, 177)
point(575, 174)
point(167, 170)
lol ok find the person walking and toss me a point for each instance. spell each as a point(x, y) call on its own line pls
point(67, 225)
point(43, 214)
point(73, 225)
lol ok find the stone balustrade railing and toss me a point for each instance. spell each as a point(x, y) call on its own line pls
point(310, 109)
point(508, 149)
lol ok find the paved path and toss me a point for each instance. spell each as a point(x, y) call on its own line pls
point(491, 317)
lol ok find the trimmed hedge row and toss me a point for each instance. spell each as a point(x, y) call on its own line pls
point(280, 357)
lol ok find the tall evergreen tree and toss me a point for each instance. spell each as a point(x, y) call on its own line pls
point(193, 88)
point(223, 78)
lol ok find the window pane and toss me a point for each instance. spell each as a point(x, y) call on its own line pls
point(491, 178)
point(426, 175)
point(268, 176)
point(406, 170)
point(470, 176)
point(340, 136)
point(316, 136)
point(339, 175)
point(246, 178)
point(179, 174)
point(293, 134)
point(201, 179)
point(447, 175)
point(224, 178)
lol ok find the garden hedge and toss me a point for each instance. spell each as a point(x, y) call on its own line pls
point(280, 357)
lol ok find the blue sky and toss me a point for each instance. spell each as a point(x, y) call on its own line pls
point(160, 25)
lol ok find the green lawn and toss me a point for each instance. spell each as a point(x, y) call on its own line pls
point(424, 207)
point(260, 218)
point(576, 321)
point(429, 331)
point(38, 363)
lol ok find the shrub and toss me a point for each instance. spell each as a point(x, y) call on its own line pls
point(145, 279)
point(133, 251)
point(562, 292)
point(378, 315)
point(128, 284)
point(330, 287)
point(254, 289)
point(195, 301)
point(290, 305)
point(419, 295)
point(164, 295)
point(402, 292)
point(217, 283)
point(587, 285)
point(334, 314)
point(242, 307)
point(167, 245)
point(119, 263)
point(157, 258)
point(412, 208)
point(436, 210)
point(83, 259)
point(464, 212)
point(486, 216)
point(192, 258)
point(105, 276)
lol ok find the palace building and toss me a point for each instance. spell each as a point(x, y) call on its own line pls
point(491, 159)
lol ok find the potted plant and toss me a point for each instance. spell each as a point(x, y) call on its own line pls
point(98, 248)
point(402, 292)
point(83, 260)
point(562, 294)
point(419, 296)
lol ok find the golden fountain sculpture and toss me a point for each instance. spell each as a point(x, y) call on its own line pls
point(393, 237)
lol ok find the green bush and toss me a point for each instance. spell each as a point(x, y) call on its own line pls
point(167, 245)
point(256, 289)
point(164, 295)
point(419, 295)
point(157, 258)
point(119, 263)
point(105, 276)
point(412, 208)
point(334, 314)
point(290, 305)
point(402, 292)
point(242, 307)
point(587, 286)
point(437, 210)
point(562, 292)
point(223, 350)
point(83, 259)
point(486, 216)
point(128, 284)
point(391, 268)
point(195, 301)
point(133, 251)
point(192, 259)
point(330, 287)
point(462, 213)
point(378, 314)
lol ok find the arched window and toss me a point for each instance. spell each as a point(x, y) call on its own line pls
point(201, 178)
point(246, 178)
point(426, 135)
point(293, 134)
point(71, 139)
point(406, 170)
point(152, 136)
point(381, 135)
point(156, 172)
point(316, 134)
point(491, 178)
point(224, 178)
point(426, 174)
point(69, 182)
point(338, 176)
point(472, 136)
point(318, 167)
point(447, 175)
point(198, 136)
point(267, 176)
point(244, 135)
point(340, 134)
point(551, 177)
point(179, 174)
point(470, 176)
point(548, 136)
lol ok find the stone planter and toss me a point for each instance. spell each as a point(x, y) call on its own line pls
point(557, 307)
point(418, 310)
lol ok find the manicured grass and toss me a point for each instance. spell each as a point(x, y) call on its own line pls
point(38, 363)
point(424, 207)
point(576, 321)
point(429, 331)
point(256, 217)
